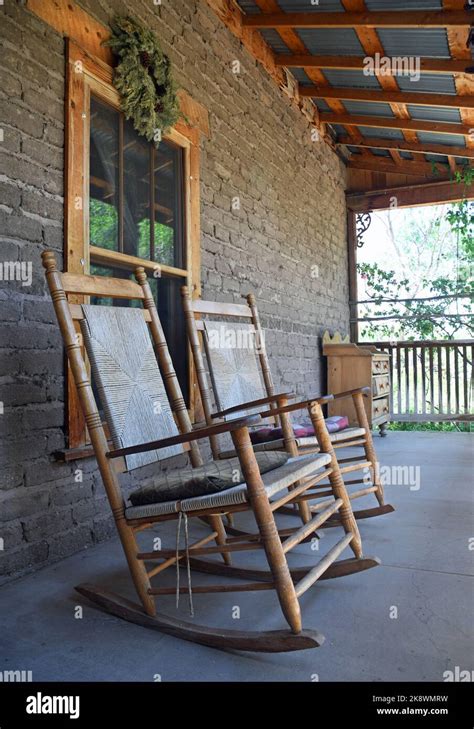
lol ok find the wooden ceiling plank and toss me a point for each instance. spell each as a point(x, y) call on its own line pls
point(388, 123)
point(367, 19)
point(409, 195)
point(414, 147)
point(382, 164)
point(396, 97)
point(427, 65)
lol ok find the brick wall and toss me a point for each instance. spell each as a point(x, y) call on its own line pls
point(286, 243)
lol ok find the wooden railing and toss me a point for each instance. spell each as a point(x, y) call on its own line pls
point(430, 380)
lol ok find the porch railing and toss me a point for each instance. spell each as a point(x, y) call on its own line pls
point(431, 381)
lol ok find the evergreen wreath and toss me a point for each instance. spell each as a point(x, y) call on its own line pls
point(143, 79)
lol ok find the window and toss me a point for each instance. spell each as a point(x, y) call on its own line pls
point(136, 207)
point(129, 203)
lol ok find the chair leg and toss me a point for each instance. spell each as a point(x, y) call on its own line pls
point(266, 524)
point(217, 525)
point(291, 448)
point(337, 482)
point(369, 449)
point(137, 568)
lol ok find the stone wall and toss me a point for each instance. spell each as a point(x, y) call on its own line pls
point(273, 222)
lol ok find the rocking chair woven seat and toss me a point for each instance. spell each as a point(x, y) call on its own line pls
point(274, 481)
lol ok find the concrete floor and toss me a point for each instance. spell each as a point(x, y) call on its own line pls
point(426, 577)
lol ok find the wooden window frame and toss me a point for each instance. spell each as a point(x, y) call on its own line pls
point(88, 74)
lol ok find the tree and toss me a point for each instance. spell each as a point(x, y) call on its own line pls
point(429, 282)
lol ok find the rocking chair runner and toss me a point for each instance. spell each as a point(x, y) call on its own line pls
point(241, 382)
point(130, 394)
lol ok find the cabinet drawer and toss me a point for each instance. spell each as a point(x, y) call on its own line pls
point(380, 407)
point(380, 366)
point(380, 385)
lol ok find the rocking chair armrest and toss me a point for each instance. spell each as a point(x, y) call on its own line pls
point(349, 393)
point(322, 400)
point(302, 405)
point(205, 432)
point(253, 404)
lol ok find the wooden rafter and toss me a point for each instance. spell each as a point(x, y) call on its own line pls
point(404, 146)
point(427, 65)
point(371, 43)
point(405, 167)
point(377, 19)
point(409, 195)
point(292, 40)
point(396, 97)
point(388, 123)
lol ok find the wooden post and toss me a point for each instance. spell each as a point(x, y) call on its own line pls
point(337, 483)
point(198, 359)
point(262, 352)
point(352, 262)
point(369, 449)
point(170, 379)
point(96, 430)
point(266, 524)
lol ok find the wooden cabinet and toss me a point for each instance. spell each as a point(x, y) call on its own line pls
point(350, 365)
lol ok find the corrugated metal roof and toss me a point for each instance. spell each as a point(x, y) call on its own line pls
point(436, 158)
point(434, 113)
point(455, 140)
point(439, 83)
point(380, 132)
point(274, 40)
point(305, 6)
point(350, 79)
point(369, 109)
point(353, 150)
point(379, 152)
point(249, 7)
point(302, 77)
point(427, 42)
point(406, 5)
point(331, 41)
point(322, 105)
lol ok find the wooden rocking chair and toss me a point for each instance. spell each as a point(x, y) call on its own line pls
point(239, 381)
point(140, 418)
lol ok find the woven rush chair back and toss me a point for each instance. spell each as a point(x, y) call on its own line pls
point(129, 382)
point(234, 374)
point(141, 400)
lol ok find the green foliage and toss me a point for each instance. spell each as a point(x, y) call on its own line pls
point(435, 254)
point(445, 427)
point(143, 79)
point(103, 222)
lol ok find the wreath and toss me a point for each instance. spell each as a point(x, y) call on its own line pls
point(143, 79)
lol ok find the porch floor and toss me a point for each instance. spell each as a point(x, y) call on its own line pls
point(426, 574)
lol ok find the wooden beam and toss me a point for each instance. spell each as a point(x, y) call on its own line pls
point(409, 195)
point(404, 146)
point(406, 167)
point(398, 97)
point(427, 65)
point(377, 19)
point(382, 122)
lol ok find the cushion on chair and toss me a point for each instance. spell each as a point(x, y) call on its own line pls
point(211, 478)
point(268, 433)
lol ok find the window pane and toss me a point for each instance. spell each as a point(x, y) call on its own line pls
point(103, 205)
point(168, 204)
point(136, 181)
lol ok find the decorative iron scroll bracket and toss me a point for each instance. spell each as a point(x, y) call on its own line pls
point(363, 221)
